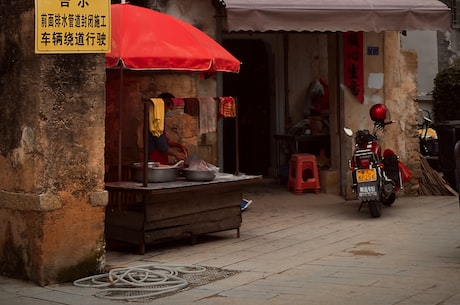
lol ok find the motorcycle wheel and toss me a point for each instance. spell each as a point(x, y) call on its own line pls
point(375, 208)
point(389, 201)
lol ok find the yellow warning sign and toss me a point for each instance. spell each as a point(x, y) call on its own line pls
point(72, 26)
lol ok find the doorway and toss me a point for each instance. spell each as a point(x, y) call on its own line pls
point(251, 88)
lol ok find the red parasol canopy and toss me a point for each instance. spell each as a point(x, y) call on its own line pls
point(144, 39)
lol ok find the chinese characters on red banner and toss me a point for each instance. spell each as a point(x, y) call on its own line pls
point(353, 63)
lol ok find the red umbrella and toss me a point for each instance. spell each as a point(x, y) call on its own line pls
point(144, 39)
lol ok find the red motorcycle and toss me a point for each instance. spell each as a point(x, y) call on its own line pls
point(376, 177)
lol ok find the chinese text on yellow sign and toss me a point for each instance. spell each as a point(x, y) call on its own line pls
point(72, 26)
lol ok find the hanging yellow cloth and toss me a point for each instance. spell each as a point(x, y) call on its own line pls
point(156, 116)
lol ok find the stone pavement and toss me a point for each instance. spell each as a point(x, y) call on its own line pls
point(304, 249)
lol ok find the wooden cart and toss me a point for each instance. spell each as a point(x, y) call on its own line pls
point(158, 212)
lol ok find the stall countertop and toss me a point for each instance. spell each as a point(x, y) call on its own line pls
point(182, 183)
point(300, 137)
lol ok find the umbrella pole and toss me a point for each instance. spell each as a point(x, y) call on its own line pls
point(237, 149)
point(119, 122)
point(146, 142)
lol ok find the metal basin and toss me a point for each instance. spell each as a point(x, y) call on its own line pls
point(195, 175)
point(155, 173)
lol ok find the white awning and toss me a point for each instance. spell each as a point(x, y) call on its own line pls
point(337, 15)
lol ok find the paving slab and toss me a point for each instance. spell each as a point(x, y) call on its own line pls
point(302, 249)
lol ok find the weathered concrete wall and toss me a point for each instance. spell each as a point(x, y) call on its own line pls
point(398, 70)
point(51, 156)
point(401, 98)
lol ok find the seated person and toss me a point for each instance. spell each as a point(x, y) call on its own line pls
point(160, 147)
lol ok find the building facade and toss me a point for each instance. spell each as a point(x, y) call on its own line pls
point(54, 146)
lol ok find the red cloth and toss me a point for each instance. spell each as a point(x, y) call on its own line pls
point(178, 102)
point(157, 156)
point(227, 107)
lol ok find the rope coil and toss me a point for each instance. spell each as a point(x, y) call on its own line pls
point(138, 282)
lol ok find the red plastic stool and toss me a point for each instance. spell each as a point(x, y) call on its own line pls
point(303, 173)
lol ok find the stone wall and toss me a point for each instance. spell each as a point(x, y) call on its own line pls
point(52, 197)
point(401, 98)
point(399, 93)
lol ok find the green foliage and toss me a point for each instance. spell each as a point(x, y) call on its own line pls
point(446, 94)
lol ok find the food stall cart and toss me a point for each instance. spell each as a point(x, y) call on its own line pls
point(143, 215)
point(150, 204)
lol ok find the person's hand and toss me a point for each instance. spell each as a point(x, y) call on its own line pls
point(184, 150)
point(180, 155)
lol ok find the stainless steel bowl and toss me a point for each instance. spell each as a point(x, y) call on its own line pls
point(195, 175)
point(154, 173)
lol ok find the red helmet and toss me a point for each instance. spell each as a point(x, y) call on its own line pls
point(378, 113)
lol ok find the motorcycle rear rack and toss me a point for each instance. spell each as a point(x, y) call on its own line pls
point(363, 152)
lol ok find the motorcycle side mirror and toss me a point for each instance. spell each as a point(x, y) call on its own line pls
point(348, 131)
point(390, 122)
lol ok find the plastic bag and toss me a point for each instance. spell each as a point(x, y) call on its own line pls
point(201, 165)
point(406, 174)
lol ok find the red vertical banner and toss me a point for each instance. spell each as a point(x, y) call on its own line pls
point(353, 63)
